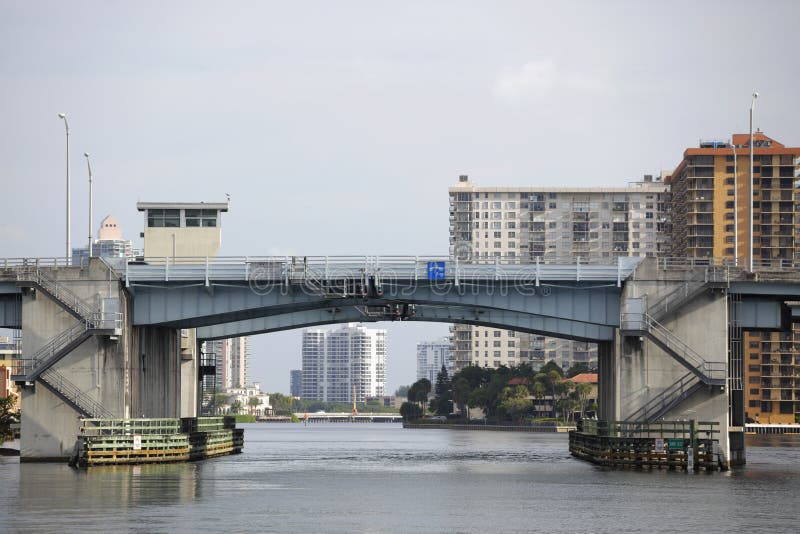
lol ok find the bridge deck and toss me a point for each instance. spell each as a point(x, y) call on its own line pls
point(292, 269)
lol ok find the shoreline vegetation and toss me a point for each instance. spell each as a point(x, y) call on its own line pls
point(504, 395)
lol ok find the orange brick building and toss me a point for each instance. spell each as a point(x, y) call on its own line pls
point(711, 217)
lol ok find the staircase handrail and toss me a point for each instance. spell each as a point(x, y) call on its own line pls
point(646, 323)
point(664, 398)
point(72, 392)
point(661, 303)
point(59, 291)
point(708, 369)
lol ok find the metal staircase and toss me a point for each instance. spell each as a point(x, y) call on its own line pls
point(72, 395)
point(38, 279)
point(674, 297)
point(661, 404)
point(710, 373)
point(668, 302)
point(638, 322)
point(55, 349)
point(38, 367)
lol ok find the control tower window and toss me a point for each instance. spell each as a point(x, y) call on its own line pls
point(159, 218)
point(204, 218)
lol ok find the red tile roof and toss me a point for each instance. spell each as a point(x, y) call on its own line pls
point(585, 378)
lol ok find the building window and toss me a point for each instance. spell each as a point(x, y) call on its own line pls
point(161, 218)
point(204, 218)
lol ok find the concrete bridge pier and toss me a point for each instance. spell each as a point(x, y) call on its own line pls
point(86, 368)
point(670, 366)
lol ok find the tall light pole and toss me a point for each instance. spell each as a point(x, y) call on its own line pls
point(89, 166)
point(750, 211)
point(66, 125)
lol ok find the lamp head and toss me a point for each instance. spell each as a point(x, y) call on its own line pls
point(755, 95)
point(62, 116)
point(86, 154)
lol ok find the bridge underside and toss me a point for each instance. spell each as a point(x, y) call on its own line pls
point(584, 312)
point(520, 322)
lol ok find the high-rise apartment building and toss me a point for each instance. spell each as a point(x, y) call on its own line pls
point(431, 356)
point(711, 214)
point(337, 363)
point(109, 244)
point(231, 357)
point(551, 224)
point(296, 382)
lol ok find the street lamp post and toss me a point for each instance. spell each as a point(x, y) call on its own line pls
point(66, 125)
point(89, 166)
point(750, 211)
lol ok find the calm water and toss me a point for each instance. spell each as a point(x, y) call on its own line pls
point(381, 478)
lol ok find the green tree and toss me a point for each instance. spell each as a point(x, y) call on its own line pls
point(442, 402)
point(8, 417)
point(285, 404)
point(561, 399)
point(552, 366)
point(582, 392)
point(461, 390)
point(402, 391)
point(475, 375)
point(578, 368)
point(253, 403)
point(410, 411)
point(514, 403)
point(538, 390)
point(236, 407)
point(419, 391)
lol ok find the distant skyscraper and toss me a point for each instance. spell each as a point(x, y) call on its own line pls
point(337, 361)
point(555, 224)
point(109, 243)
point(296, 382)
point(231, 359)
point(431, 355)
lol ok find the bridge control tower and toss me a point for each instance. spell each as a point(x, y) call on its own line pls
point(182, 229)
point(184, 233)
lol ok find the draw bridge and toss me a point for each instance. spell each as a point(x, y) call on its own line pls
point(122, 339)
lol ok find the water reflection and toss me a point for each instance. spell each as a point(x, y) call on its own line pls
point(381, 478)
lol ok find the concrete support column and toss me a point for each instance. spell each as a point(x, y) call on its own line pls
point(607, 390)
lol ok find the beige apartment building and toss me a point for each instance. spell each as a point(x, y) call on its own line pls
point(551, 224)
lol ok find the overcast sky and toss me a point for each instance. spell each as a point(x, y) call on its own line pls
point(336, 127)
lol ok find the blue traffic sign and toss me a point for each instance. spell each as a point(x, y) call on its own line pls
point(436, 270)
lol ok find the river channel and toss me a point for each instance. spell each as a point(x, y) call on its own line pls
point(331, 477)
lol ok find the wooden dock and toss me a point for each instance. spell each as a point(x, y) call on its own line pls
point(684, 445)
point(137, 441)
